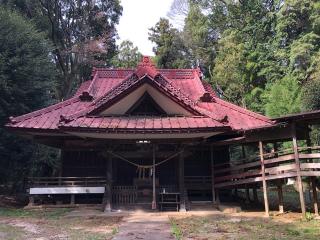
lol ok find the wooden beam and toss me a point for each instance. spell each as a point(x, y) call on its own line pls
point(212, 176)
point(256, 179)
point(181, 183)
point(270, 134)
point(154, 197)
point(108, 190)
point(315, 196)
point(313, 180)
point(264, 182)
point(297, 161)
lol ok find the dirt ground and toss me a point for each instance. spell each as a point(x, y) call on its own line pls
point(17, 223)
point(80, 224)
point(55, 224)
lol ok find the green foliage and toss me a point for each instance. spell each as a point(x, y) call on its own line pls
point(311, 90)
point(175, 229)
point(309, 216)
point(83, 33)
point(260, 54)
point(128, 55)
point(197, 38)
point(282, 97)
point(229, 66)
point(27, 80)
point(23, 213)
point(169, 49)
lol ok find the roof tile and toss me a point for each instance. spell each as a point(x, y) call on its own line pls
point(185, 84)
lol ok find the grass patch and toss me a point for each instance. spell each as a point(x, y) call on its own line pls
point(175, 229)
point(36, 213)
point(115, 230)
point(223, 227)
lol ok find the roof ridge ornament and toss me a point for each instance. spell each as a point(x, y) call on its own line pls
point(206, 97)
point(146, 62)
point(86, 96)
point(146, 67)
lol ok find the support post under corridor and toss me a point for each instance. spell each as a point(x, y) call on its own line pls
point(264, 182)
point(280, 196)
point(212, 176)
point(154, 196)
point(108, 188)
point(181, 183)
point(299, 180)
point(313, 184)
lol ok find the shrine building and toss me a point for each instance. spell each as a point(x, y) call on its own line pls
point(163, 139)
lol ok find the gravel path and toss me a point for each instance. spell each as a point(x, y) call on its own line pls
point(144, 226)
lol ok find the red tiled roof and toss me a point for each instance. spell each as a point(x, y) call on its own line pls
point(143, 124)
point(48, 118)
point(184, 86)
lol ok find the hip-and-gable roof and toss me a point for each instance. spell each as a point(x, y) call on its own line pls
point(101, 104)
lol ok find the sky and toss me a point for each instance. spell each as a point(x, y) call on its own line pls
point(137, 17)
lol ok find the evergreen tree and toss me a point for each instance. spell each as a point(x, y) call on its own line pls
point(297, 44)
point(199, 40)
point(169, 48)
point(128, 55)
point(83, 34)
point(27, 75)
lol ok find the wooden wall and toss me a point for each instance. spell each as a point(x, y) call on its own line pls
point(83, 164)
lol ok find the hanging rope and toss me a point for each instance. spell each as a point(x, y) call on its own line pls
point(145, 166)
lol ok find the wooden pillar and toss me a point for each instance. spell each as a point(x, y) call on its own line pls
point(247, 201)
point(264, 182)
point(108, 187)
point(212, 176)
point(61, 166)
point(313, 184)
point(297, 161)
point(235, 193)
point(255, 194)
point(218, 197)
point(181, 183)
point(280, 196)
point(279, 182)
point(154, 196)
point(315, 196)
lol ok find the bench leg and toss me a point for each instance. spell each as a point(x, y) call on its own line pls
point(72, 199)
point(31, 201)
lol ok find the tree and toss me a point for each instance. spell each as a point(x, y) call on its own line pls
point(242, 65)
point(128, 55)
point(27, 77)
point(199, 39)
point(297, 40)
point(169, 48)
point(229, 67)
point(83, 33)
point(283, 97)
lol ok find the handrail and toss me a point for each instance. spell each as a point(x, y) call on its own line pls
point(66, 181)
point(270, 155)
point(275, 168)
